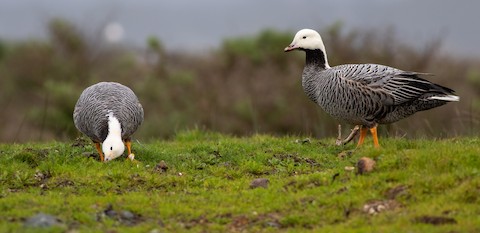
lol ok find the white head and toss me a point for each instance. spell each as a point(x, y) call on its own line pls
point(307, 39)
point(113, 146)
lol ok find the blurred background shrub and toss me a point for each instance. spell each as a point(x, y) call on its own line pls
point(247, 85)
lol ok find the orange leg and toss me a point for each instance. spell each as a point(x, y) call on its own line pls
point(375, 138)
point(99, 149)
point(128, 143)
point(363, 133)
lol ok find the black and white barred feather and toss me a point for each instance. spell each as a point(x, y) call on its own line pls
point(98, 101)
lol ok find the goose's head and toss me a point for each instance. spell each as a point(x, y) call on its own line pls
point(306, 39)
point(113, 147)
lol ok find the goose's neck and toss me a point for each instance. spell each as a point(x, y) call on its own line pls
point(114, 127)
point(316, 58)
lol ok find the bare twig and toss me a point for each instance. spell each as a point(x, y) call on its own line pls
point(340, 142)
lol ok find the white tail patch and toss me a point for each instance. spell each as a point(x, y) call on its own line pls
point(445, 98)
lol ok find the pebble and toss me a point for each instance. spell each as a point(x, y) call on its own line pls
point(42, 220)
point(260, 182)
point(125, 214)
point(365, 165)
point(109, 211)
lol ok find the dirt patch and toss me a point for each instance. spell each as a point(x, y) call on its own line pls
point(375, 207)
point(89, 154)
point(39, 152)
point(31, 156)
point(435, 220)
point(242, 223)
point(161, 167)
point(64, 183)
point(202, 220)
point(124, 217)
point(396, 191)
point(42, 176)
point(136, 180)
point(80, 142)
point(239, 223)
point(345, 154)
point(296, 159)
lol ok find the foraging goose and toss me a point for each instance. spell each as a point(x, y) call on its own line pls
point(364, 94)
point(109, 113)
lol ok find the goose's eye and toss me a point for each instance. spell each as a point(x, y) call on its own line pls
point(111, 148)
point(304, 37)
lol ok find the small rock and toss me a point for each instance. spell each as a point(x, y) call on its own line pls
point(365, 165)
point(260, 182)
point(161, 167)
point(125, 214)
point(349, 168)
point(42, 220)
point(110, 212)
point(122, 216)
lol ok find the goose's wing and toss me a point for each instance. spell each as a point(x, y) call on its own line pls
point(131, 118)
point(87, 122)
point(397, 86)
point(129, 111)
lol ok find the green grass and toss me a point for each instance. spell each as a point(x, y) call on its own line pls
point(309, 188)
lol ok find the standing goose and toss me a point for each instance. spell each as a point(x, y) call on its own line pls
point(364, 94)
point(109, 113)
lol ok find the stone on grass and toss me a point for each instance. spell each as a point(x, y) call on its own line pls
point(365, 165)
point(42, 220)
point(260, 182)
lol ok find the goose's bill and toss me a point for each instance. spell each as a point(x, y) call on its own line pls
point(290, 48)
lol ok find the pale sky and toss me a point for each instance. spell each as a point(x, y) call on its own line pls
point(198, 25)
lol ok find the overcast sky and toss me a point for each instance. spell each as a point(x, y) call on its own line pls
point(199, 25)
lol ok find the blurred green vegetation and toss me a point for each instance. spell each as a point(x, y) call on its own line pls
point(246, 85)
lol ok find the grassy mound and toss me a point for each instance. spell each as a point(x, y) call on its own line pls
point(204, 184)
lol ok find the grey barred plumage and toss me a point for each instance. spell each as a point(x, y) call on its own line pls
point(97, 102)
point(364, 94)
